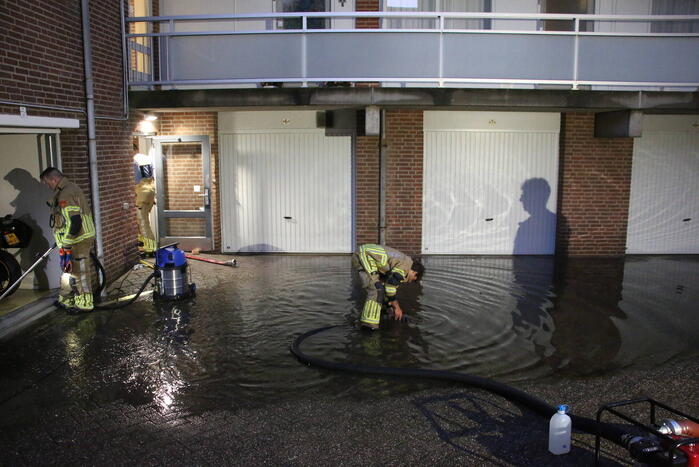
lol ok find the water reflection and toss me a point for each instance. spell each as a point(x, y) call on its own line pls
point(511, 318)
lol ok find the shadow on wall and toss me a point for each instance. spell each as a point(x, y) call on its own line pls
point(536, 234)
point(30, 208)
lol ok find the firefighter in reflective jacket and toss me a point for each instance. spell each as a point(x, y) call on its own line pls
point(74, 232)
point(381, 270)
point(145, 199)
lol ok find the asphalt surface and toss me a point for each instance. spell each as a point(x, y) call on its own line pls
point(440, 424)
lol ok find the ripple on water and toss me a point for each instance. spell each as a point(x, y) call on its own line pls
point(511, 318)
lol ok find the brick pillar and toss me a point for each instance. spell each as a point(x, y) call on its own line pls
point(367, 5)
point(367, 190)
point(594, 187)
point(404, 175)
point(367, 23)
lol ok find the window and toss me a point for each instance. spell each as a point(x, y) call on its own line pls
point(140, 47)
point(454, 6)
point(675, 7)
point(290, 6)
point(568, 7)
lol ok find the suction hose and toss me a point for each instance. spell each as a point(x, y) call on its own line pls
point(610, 432)
point(101, 274)
point(124, 301)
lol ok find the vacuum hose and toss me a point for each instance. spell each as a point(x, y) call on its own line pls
point(116, 304)
point(101, 274)
point(611, 432)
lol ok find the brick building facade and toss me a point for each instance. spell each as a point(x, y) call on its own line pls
point(42, 71)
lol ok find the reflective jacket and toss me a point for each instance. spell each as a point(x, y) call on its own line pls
point(68, 200)
point(385, 264)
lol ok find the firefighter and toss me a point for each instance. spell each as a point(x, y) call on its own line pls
point(381, 270)
point(145, 199)
point(74, 231)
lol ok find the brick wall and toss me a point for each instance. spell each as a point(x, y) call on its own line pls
point(367, 189)
point(594, 186)
point(404, 175)
point(367, 5)
point(195, 123)
point(42, 64)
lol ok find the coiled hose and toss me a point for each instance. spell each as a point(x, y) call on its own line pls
point(608, 431)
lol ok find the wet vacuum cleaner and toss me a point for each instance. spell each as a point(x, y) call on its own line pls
point(172, 279)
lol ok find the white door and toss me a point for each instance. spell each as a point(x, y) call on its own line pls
point(285, 186)
point(664, 201)
point(490, 182)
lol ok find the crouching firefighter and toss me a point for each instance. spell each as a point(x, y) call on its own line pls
point(74, 231)
point(381, 270)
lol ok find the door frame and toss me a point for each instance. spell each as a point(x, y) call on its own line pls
point(205, 243)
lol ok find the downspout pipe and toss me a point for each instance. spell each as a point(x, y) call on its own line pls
point(383, 149)
point(91, 138)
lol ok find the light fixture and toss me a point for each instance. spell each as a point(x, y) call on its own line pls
point(150, 117)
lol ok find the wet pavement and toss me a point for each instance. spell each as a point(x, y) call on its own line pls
point(210, 380)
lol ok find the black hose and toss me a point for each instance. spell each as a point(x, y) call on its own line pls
point(608, 431)
point(101, 274)
point(116, 306)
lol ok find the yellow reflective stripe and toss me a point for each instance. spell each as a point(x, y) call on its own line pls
point(399, 271)
point(365, 263)
point(88, 224)
point(370, 263)
point(88, 227)
point(371, 313)
point(391, 290)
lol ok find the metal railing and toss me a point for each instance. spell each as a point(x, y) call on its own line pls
point(504, 50)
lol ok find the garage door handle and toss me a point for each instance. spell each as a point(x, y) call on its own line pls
point(687, 219)
point(287, 217)
point(489, 219)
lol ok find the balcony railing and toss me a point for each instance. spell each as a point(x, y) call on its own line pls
point(426, 49)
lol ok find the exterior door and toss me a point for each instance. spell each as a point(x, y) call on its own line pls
point(183, 191)
point(664, 200)
point(490, 182)
point(285, 185)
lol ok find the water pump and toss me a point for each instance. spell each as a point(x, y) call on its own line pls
point(172, 280)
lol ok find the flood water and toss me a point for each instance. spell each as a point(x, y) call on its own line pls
point(509, 318)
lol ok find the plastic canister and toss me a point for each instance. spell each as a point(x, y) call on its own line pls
point(560, 431)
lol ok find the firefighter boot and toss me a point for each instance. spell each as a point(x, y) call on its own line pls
point(148, 246)
point(371, 314)
point(65, 302)
point(83, 302)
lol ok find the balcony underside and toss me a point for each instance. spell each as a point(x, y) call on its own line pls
point(424, 98)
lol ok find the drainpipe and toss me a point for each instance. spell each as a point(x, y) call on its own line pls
point(91, 139)
point(383, 152)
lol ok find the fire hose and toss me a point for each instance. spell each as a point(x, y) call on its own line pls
point(232, 263)
point(623, 437)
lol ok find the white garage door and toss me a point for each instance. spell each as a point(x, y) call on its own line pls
point(285, 186)
point(664, 203)
point(490, 182)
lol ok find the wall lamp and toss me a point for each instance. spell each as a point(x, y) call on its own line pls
point(147, 125)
